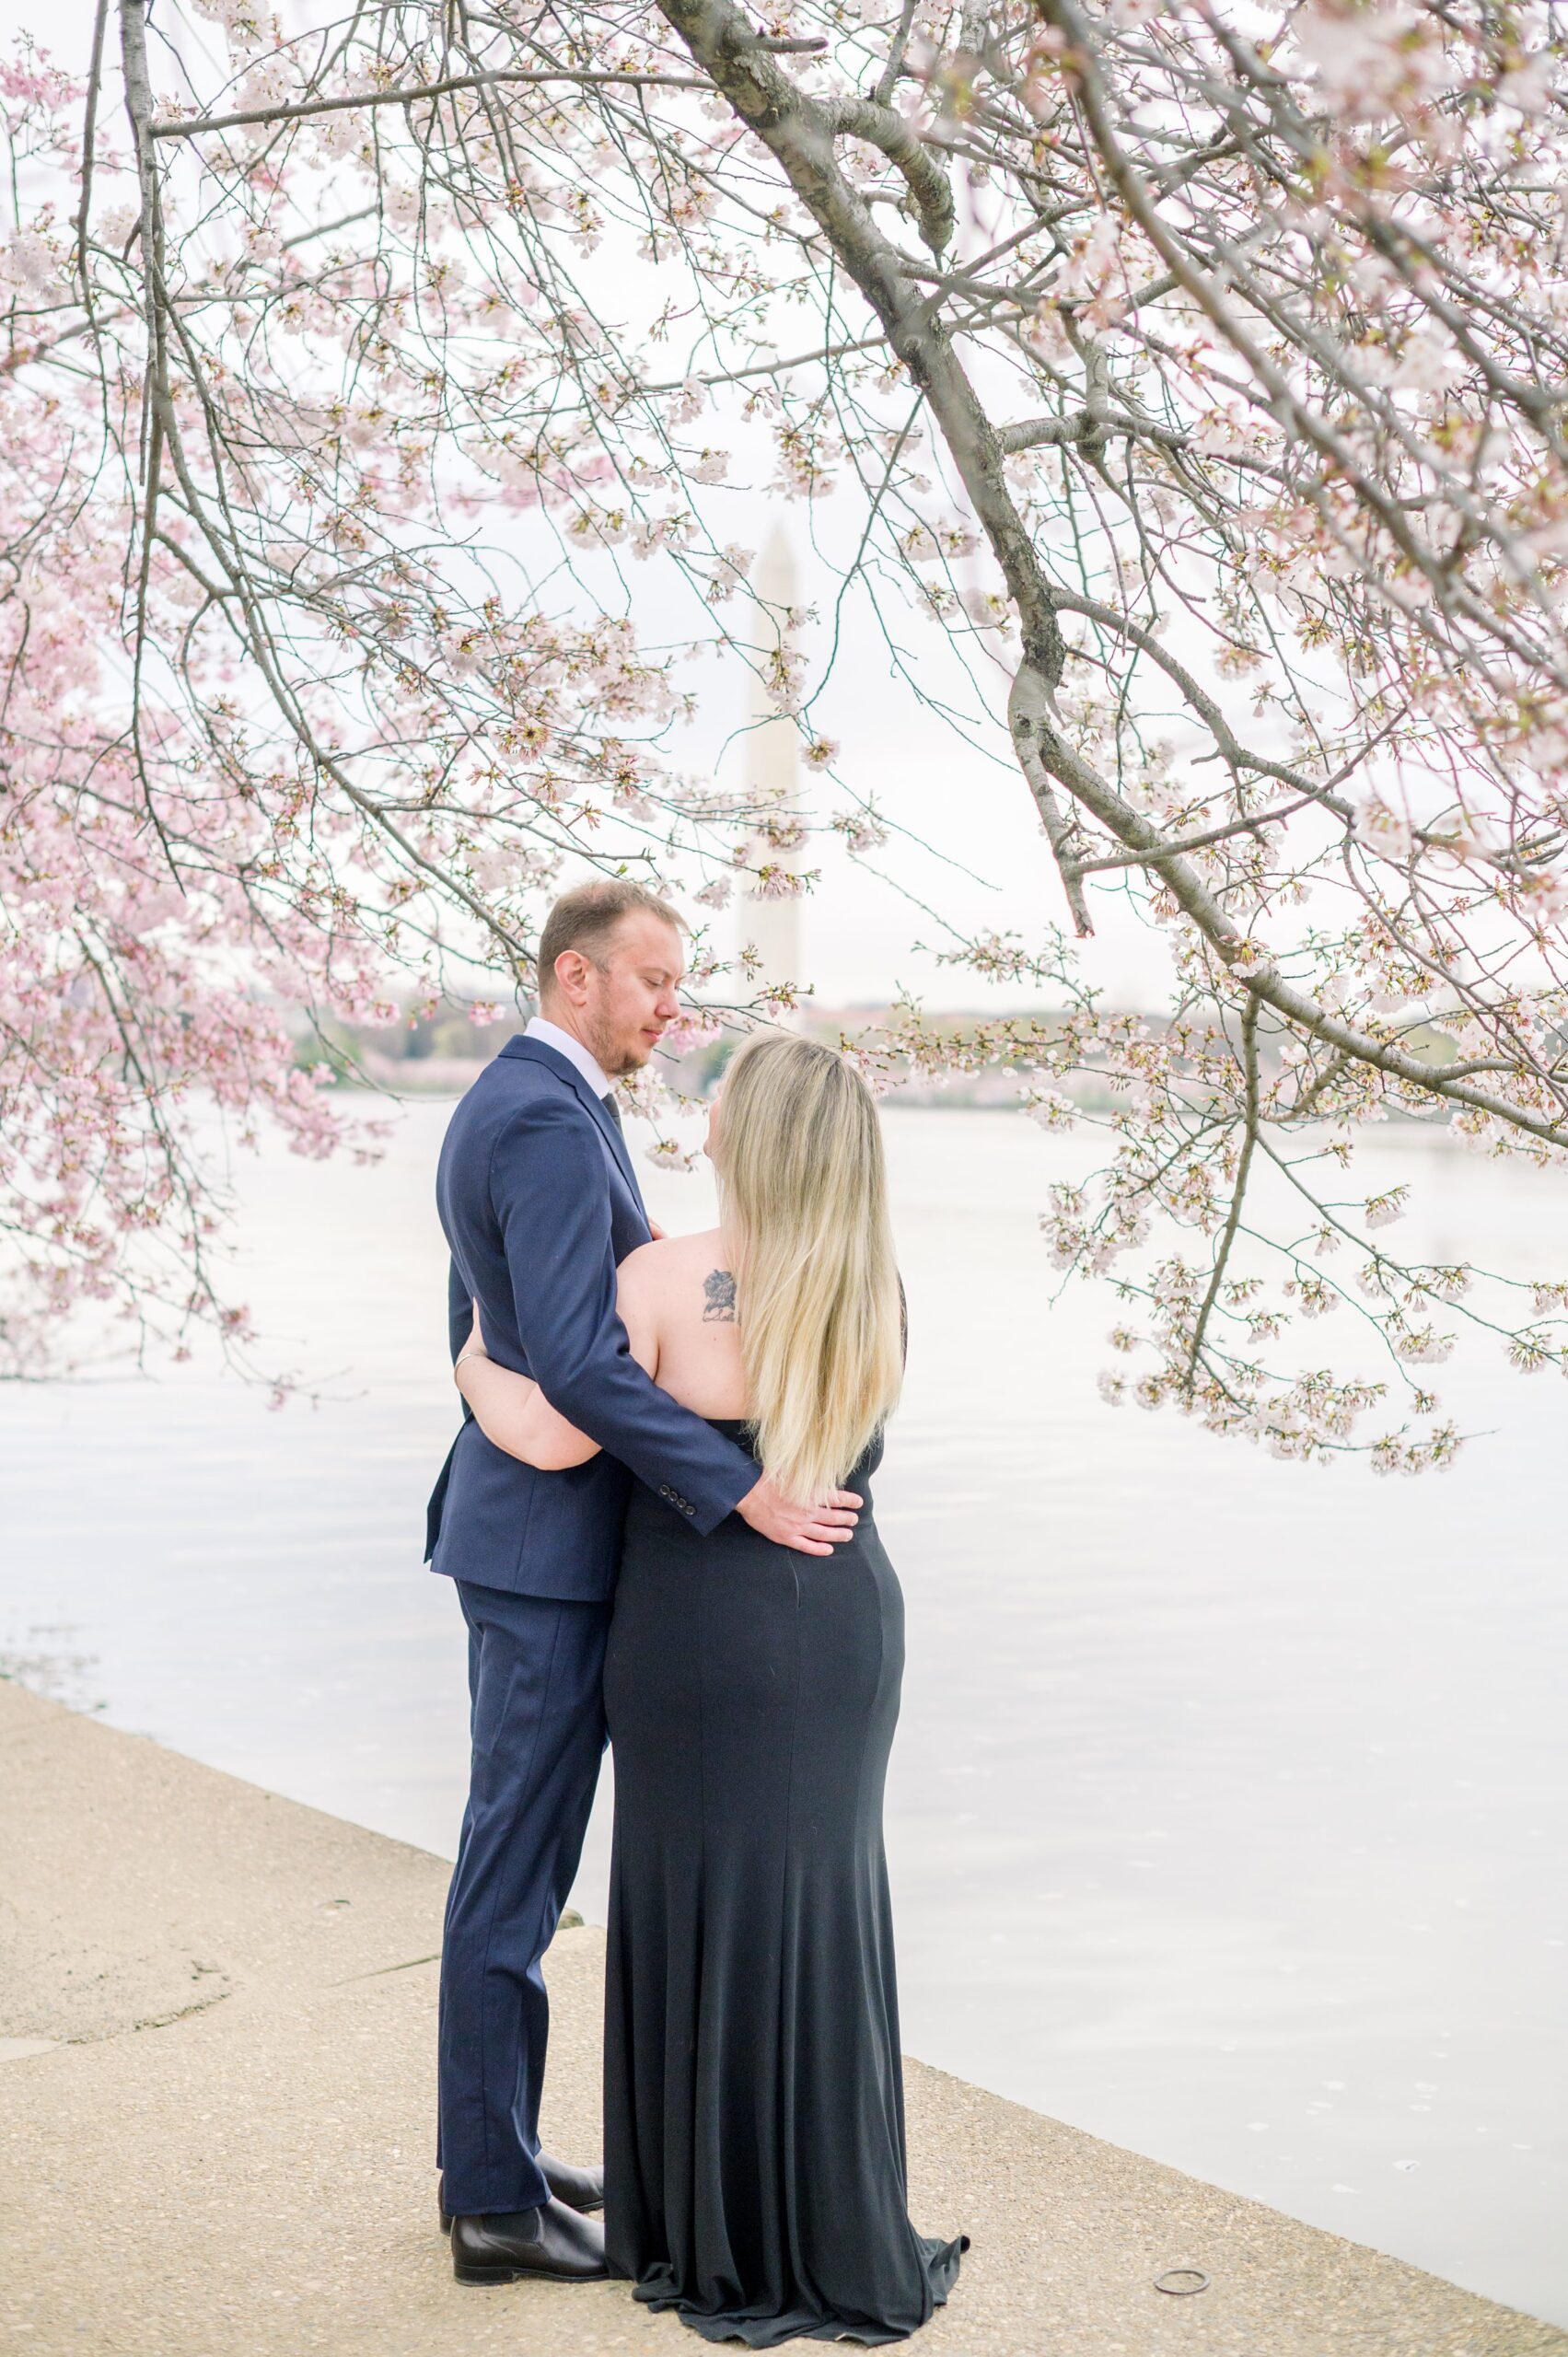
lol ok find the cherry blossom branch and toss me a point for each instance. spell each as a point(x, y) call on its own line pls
point(410, 94)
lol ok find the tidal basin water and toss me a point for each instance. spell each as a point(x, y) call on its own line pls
point(1229, 1808)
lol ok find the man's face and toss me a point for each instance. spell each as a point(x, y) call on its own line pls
point(622, 1007)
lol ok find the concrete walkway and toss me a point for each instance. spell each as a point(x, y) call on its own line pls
point(216, 2092)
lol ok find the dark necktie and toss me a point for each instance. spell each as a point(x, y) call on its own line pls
point(613, 1110)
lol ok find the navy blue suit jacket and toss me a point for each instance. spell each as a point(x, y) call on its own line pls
point(539, 1203)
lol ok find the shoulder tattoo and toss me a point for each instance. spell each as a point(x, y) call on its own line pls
point(718, 1298)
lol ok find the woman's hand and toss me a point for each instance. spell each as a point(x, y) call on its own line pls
point(472, 1349)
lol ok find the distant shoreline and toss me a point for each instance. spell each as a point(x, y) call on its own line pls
point(444, 1078)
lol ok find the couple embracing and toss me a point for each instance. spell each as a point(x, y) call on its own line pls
point(657, 1517)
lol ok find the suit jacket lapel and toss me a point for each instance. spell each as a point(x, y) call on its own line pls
point(540, 1050)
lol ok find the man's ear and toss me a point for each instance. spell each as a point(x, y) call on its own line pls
point(569, 978)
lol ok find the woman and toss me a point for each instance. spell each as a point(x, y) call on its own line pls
point(754, 2128)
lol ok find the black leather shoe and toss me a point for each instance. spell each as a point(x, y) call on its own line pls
point(553, 2243)
point(578, 2188)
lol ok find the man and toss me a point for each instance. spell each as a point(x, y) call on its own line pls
point(539, 1203)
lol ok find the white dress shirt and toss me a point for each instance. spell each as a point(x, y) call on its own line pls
point(536, 1027)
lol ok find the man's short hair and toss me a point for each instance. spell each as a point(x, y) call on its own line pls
point(586, 918)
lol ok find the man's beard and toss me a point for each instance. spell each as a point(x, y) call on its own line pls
point(615, 1060)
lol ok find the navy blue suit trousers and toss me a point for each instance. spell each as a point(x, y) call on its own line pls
point(536, 1672)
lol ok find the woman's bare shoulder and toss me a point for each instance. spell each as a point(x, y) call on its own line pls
point(670, 1261)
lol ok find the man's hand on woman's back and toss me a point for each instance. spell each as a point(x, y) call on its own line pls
point(810, 1530)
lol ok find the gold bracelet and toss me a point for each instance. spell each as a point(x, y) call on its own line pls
point(474, 1351)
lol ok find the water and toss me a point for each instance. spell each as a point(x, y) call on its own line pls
point(1228, 1808)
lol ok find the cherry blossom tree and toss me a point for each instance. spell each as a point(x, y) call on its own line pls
point(1187, 379)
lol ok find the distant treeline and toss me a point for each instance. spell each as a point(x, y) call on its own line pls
point(441, 1051)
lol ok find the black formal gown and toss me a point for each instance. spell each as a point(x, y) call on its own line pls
point(754, 2116)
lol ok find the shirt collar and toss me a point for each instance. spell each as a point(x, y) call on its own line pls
point(573, 1050)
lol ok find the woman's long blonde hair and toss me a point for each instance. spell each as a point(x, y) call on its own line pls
point(803, 1193)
